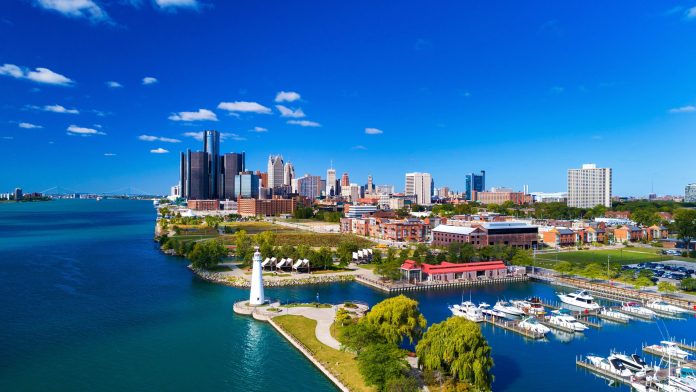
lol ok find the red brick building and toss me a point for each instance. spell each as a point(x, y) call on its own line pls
point(204, 205)
point(450, 272)
point(519, 235)
point(267, 207)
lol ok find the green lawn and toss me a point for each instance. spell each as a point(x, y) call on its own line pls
point(257, 227)
point(329, 240)
point(618, 256)
point(342, 364)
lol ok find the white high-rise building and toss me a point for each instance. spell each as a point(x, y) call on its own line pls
point(256, 296)
point(690, 193)
point(589, 186)
point(275, 171)
point(331, 182)
point(420, 185)
point(288, 173)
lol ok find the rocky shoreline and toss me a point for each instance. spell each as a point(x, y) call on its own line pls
point(235, 281)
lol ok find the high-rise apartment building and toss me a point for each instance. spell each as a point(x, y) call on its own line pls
point(421, 186)
point(288, 173)
point(589, 186)
point(690, 193)
point(232, 164)
point(275, 171)
point(309, 186)
point(331, 184)
point(475, 182)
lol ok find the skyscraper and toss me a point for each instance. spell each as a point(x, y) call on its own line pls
point(246, 185)
point(288, 173)
point(198, 176)
point(183, 174)
point(589, 186)
point(345, 181)
point(690, 193)
point(475, 182)
point(420, 185)
point(370, 186)
point(331, 183)
point(232, 164)
point(211, 146)
point(275, 171)
point(309, 186)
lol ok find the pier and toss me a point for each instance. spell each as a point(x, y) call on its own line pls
point(613, 319)
point(543, 322)
point(602, 372)
point(512, 325)
point(395, 287)
point(645, 317)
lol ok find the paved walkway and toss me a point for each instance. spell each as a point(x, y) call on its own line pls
point(324, 318)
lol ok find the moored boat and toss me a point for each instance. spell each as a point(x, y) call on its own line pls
point(467, 310)
point(581, 299)
point(508, 308)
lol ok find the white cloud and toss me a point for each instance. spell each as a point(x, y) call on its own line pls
point(231, 136)
point(75, 130)
point(39, 75)
point(174, 4)
point(150, 138)
point(196, 135)
point(26, 125)
point(8, 137)
point(149, 80)
point(109, 154)
point(259, 129)
point(57, 109)
point(159, 150)
point(359, 147)
point(200, 115)
point(113, 84)
point(684, 109)
point(304, 123)
point(75, 9)
point(691, 13)
point(287, 112)
point(244, 107)
point(373, 131)
point(287, 96)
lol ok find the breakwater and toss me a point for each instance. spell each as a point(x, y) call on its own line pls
point(236, 281)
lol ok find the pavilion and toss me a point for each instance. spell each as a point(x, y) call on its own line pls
point(450, 272)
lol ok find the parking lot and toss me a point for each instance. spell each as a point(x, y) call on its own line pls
point(672, 271)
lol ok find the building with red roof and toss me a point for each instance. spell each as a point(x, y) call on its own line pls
point(451, 272)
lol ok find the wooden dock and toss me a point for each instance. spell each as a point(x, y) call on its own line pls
point(395, 287)
point(636, 315)
point(587, 322)
point(511, 325)
point(542, 321)
point(684, 346)
point(613, 319)
point(601, 372)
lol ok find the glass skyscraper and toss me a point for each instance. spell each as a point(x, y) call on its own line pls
point(475, 182)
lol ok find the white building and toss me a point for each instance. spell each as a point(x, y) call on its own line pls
point(256, 295)
point(352, 191)
point(288, 173)
point(384, 189)
point(359, 211)
point(589, 186)
point(331, 182)
point(420, 185)
point(275, 171)
point(690, 193)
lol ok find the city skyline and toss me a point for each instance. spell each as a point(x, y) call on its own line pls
point(458, 89)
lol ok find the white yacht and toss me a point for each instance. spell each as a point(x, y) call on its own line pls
point(531, 324)
point(508, 308)
point(632, 362)
point(581, 299)
point(528, 307)
point(662, 306)
point(614, 314)
point(635, 308)
point(612, 365)
point(486, 309)
point(563, 318)
point(467, 310)
point(669, 349)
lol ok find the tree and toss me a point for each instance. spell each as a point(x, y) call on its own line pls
point(355, 337)
point(389, 270)
point(688, 284)
point(685, 225)
point(564, 267)
point(642, 281)
point(379, 363)
point(397, 318)
point(325, 257)
point(457, 348)
point(521, 257)
point(207, 254)
point(645, 216)
point(402, 384)
point(666, 287)
point(243, 246)
point(343, 317)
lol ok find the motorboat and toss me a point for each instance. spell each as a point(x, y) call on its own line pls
point(635, 308)
point(614, 314)
point(528, 307)
point(581, 299)
point(467, 310)
point(632, 362)
point(487, 310)
point(685, 379)
point(508, 308)
point(531, 324)
point(662, 306)
point(612, 365)
point(565, 319)
point(536, 307)
point(669, 349)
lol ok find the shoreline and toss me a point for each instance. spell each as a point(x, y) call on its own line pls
point(233, 281)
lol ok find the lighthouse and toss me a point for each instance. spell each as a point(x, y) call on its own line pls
point(256, 295)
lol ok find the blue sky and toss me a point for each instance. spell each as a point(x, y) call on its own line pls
point(524, 90)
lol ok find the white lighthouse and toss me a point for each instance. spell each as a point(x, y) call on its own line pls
point(256, 295)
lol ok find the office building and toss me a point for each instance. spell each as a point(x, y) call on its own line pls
point(589, 186)
point(18, 194)
point(211, 146)
point(357, 211)
point(275, 171)
point(331, 184)
point(500, 196)
point(421, 186)
point(309, 186)
point(345, 181)
point(183, 174)
point(232, 165)
point(475, 182)
point(384, 189)
point(690, 193)
point(370, 187)
point(288, 173)
point(198, 176)
point(246, 185)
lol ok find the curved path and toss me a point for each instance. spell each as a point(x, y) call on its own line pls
point(324, 318)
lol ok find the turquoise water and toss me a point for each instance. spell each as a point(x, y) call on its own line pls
point(89, 303)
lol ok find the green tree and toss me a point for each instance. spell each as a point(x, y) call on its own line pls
point(207, 254)
point(389, 270)
point(325, 257)
point(685, 225)
point(521, 257)
point(397, 318)
point(666, 287)
point(642, 281)
point(343, 317)
point(402, 384)
point(564, 267)
point(379, 363)
point(356, 336)
point(645, 216)
point(457, 348)
point(243, 246)
point(688, 284)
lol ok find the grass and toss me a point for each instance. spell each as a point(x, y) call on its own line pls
point(342, 364)
point(315, 240)
point(329, 271)
point(369, 266)
point(257, 227)
point(219, 268)
point(617, 256)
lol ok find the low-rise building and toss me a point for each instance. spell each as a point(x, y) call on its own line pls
point(629, 233)
point(500, 197)
point(451, 272)
point(204, 205)
point(515, 234)
point(267, 207)
point(560, 236)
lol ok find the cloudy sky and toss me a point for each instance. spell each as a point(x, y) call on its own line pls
point(99, 95)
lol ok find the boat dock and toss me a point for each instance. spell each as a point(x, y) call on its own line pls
point(683, 345)
point(587, 322)
point(613, 319)
point(511, 325)
point(395, 287)
point(636, 315)
point(602, 372)
point(543, 322)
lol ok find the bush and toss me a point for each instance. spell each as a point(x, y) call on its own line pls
point(688, 284)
